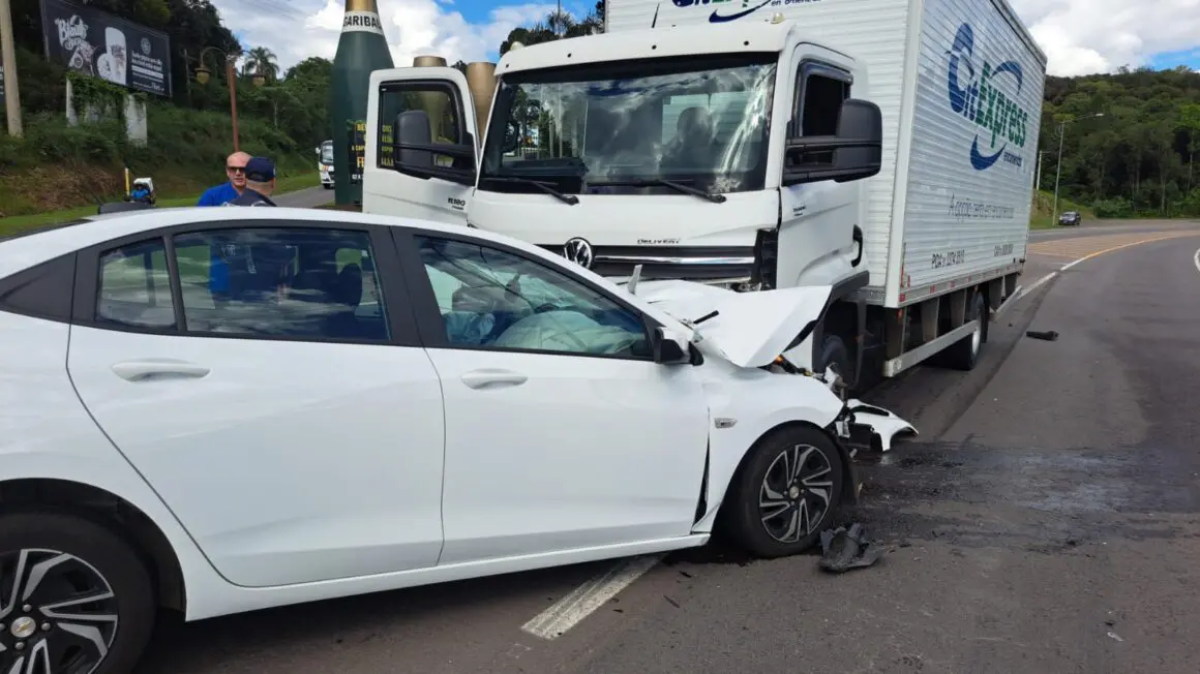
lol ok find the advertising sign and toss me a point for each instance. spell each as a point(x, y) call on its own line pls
point(102, 45)
point(357, 145)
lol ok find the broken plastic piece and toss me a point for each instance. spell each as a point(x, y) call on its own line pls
point(1050, 336)
point(844, 549)
point(882, 424)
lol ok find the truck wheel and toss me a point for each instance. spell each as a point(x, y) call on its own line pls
point(79, 598)
point(964, 354)
point(785, 493)
point(835, 353)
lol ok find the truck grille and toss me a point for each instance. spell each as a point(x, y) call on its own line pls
point(671, 262)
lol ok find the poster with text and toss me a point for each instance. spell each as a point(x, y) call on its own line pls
point(102, 45)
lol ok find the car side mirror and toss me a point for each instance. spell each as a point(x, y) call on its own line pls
point(415, 150)
point(670, 348)
point(318, 151)
point(854, 153)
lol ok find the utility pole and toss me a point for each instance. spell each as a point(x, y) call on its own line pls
point(8, 58)
point(1062, 130)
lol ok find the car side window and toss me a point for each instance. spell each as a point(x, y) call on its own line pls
point(134, 288)
point(491, 298)
point(309, 283)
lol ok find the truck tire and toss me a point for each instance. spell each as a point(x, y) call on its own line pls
point(54, 560)
point(786, 492)
point(964, 354)
point(835, 353)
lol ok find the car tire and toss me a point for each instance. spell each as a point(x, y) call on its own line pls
point(787, 474)
point(964, 354)
point(69, 557)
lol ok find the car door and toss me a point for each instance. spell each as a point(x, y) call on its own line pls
point(430, 107)
point(265, 378)
point(561, 431)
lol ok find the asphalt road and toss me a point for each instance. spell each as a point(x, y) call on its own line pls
point(306, 198)
point(1044, 522)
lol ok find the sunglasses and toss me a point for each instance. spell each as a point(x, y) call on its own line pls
point(236, 169)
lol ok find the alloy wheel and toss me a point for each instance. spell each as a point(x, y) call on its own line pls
point(796, 493)
point(58, 614)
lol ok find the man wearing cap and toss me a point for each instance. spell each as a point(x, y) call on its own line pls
point(260, 184)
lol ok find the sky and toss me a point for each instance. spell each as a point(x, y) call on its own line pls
point(1078, 36)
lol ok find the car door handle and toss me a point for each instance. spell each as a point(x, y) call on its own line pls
point(490, 377)
point(138, 370)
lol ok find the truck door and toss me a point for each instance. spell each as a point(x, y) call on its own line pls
point(817, 238)
point(421, 154)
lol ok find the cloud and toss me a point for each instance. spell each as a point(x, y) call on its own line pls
point(1078, 36)
point(1094, 36)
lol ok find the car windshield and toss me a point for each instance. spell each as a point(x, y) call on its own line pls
point(626, 128)
point(327, 153)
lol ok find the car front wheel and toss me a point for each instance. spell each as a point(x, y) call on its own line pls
point(74, 597)
point(785, 494)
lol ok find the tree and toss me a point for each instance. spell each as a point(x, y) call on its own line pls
point(262, 61)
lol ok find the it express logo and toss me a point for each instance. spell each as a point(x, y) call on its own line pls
point(730, 10)
point(976, 95)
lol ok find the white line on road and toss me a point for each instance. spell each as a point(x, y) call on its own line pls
point(585, 599)
point(1196, 259)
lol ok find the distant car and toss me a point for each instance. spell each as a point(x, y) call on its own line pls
point(219, 414)
point(1070, 219)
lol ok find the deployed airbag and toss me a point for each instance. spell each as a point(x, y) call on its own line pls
point(566, 331)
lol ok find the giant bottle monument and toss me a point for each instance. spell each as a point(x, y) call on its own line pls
point(361, 50)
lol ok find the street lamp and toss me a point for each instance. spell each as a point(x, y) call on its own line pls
point(203, 75)
point(1062, 128)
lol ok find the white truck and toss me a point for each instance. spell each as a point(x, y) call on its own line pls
point(885, 148)
point(325, 164)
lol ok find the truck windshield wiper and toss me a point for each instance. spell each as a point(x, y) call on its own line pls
point(650, 182)
point(541, 185)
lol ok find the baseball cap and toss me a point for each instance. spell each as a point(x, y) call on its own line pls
point(260, 170)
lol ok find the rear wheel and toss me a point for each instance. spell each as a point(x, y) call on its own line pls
point(785, 494)
point(835, 353)
point(964, 354)
point(74, 597)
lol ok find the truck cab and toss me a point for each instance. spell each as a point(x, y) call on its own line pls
point(738, 163)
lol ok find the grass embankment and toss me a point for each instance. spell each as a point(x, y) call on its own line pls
point(1042, 216)
point(22, 223)
point(57, 172)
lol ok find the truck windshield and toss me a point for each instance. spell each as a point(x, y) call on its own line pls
point(327, 152)
point(643, 127)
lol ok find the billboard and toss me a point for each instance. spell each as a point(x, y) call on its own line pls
point(102, 45)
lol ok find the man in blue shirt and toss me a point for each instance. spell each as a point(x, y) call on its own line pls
point(221, 195)
point(260, 184)
point(235, 168)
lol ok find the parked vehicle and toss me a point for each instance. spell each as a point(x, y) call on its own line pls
point(881, 147)
point(325, 164)
point(1071, 219)
point(196, 413)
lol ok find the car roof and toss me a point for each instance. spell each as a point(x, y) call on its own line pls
point(33, 249)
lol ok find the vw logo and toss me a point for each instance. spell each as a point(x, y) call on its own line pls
point(579, 251)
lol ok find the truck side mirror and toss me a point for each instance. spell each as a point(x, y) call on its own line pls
point(854, 153)
point(414, 150)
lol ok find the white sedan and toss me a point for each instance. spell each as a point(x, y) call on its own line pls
point(222, 410)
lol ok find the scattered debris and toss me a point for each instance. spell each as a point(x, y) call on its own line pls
point(1113, 635)
point(670, 601)
point(1050, 336)
point(844, 549)
point(873, 428)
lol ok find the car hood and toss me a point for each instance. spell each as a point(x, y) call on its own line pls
point(750, 329)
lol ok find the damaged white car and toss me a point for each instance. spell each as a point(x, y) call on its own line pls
point(222, 410)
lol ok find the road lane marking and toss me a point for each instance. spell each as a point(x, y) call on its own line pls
point(1196, 259)
point(585, 599)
